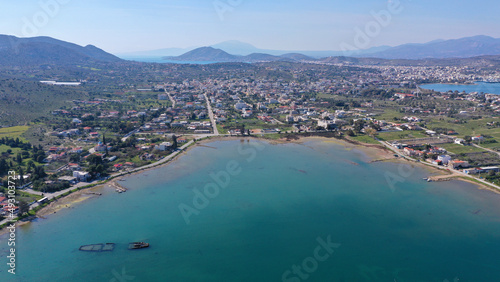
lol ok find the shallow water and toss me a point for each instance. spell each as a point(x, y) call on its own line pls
point(280, 202)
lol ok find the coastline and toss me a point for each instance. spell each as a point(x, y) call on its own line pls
point(374, 152)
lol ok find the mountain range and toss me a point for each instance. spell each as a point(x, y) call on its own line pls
point(15, 51)
point(242, 49)
point(37, 51)
point(455, 48)
point(219, 55)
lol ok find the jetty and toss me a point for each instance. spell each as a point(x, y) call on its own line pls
point(118, 187)
point(439, 178)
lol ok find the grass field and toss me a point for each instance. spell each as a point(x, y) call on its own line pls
point(364, 139)
point(389, 115)
point(471, 128)
point(13, 132)
point(459, 149)
point(4, 148)
point(492, 146)
point(398, 135)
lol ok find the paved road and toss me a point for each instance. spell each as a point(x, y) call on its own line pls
point(211, 114)
point(164, 160)
point(51, 196)
point(439, 167)
point(171, 100)
point(489, 150)
point(130, 134)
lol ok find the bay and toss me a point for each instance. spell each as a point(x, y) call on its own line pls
point(279, 204)
point(485, 87)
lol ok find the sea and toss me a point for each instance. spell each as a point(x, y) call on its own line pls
point(485, 87)
point(248, 210)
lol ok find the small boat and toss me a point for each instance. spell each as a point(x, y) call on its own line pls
point(137, 245)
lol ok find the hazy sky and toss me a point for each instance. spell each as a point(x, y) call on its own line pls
point(121, 26)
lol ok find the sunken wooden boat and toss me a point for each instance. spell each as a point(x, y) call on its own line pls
point(108, 247)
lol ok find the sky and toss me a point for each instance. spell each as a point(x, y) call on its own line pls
point(121, 26)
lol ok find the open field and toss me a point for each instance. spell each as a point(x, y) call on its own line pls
point(13, 132)
point(460, 149)
point(398, 135)
point(389, 115)
point(471, 128)
point(4, 148)
point(364, 139)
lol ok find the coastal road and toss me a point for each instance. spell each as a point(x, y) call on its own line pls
point(51, 196)
point(164, 160)
point(439, 167)
point(211, 115)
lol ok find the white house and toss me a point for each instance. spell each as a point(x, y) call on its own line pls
point(444, 159)
point(163, 146)
point(81, 175)
point(477, 138)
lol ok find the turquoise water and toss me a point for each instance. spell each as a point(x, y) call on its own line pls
point(491, 88)
point(280, 201)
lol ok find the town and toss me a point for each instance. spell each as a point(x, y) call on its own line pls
point(112, 132)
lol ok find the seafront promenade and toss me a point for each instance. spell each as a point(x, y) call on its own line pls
point(55, 195)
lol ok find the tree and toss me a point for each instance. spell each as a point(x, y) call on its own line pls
point(174, 141)
point(75, 158)
point(358, 125)
point(21, 176)
point(24, 207)
point(94, 160)
point(370, 131)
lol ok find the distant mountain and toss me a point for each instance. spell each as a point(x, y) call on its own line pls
point(156, 53)
point(297, 57)
point(242, 49)
point(205, 54)
point(210, 54)
point(237, 48)
point(456, 48)
point(46, 50)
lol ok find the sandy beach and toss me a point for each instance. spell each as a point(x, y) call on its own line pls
point(375, 153)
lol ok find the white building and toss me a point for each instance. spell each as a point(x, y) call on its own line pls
point(444, 159)
point(163, 146)
point(81, 175)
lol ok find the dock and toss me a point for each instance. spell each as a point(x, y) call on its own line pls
point(440, 178)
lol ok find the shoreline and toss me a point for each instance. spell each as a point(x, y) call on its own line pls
point(374, 153)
